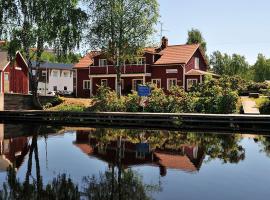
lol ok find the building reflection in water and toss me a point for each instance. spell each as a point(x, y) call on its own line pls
point(185, 157)
point(12, 149)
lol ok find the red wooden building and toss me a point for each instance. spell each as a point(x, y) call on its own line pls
point(14, 76)
point(182, 65)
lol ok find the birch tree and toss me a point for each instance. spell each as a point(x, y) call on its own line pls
point(121, 28)
point(57, 24)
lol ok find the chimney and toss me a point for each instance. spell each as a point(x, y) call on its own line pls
point(164, 43)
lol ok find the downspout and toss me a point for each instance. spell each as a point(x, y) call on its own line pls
point(184, 76)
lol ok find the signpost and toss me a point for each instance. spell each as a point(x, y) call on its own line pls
point(144, 92)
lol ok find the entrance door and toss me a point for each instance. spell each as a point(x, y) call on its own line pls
point(6, 82)
point(135, 83)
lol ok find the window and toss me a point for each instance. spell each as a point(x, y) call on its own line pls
point(135, 83)
point(171, 82)
point(6, 76)
point(54, 88)
point(104, 82)
point(86, 84)
point(157, 82)
point(34, 72)
point(141, 61)
point(197, 63)
point(66, 74)
point(44, 73)
point(102, 62)
point(191, 82)
point(55, 73)
point(65, 88)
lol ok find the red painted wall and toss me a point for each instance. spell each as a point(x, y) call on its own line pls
point(159, 72)
point(191, 64)
point(82, 74)
point(18, 78)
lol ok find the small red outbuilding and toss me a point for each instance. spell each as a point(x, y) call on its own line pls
point(14, 75)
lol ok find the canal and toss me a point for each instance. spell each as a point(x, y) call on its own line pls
point(100, 163)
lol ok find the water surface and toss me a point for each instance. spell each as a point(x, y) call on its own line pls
point(154, 164)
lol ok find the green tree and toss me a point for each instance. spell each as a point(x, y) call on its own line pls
point(40, 23)
point(195, 37)
point(261, 69)
point(121, 28)
point(224, 64)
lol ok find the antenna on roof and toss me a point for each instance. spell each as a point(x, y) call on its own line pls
point(162, 30)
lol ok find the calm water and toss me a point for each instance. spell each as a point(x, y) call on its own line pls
point(157, 164)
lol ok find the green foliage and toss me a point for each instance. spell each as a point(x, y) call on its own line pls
point(107, 100)
point(224, 64)
point(265, 107)
point(132, 104)
point(215, 96)
point(209, 97)
point(261, 69)
point(121, 28)
point(71, 108)
point(52, 57)
point(195, 37)
point(60, 188)
point(54, 102)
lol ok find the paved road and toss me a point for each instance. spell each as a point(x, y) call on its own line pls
point(249, 106)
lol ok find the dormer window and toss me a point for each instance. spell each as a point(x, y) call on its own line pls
point(197, 63)
point(141, 61)
point(102, 62)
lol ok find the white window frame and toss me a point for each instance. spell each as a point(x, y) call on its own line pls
point(89, 82)
point(6, 73)
point(104, 80)
point(197, 63)
point(44, 73)
point(154, 81)
point(168, 81)
point(191, 79)
point(133, 83)
point(141, 60)
point(67, 73)
point(55, 72)
point(103, 62)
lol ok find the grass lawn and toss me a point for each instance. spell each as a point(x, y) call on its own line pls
point(72, 104)
point(260, 101)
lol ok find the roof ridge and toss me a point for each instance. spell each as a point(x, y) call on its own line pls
point(183, 45)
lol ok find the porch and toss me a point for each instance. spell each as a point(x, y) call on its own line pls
point(126, 69)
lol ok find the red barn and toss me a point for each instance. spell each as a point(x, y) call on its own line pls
point(14, 75)
point(166, 66)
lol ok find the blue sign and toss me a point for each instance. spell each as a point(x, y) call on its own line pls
point(144, 91)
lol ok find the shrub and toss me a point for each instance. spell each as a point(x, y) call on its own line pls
point(157, 102)
point(132, 102)
point(227, 102)
point(107, 101)
point(179, 101)
point(257, 87)
point(265, 107)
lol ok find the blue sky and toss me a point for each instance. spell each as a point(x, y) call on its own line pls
point(231, 26)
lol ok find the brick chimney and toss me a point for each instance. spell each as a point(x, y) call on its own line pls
point(164, 43)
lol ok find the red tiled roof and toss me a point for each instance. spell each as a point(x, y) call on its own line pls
point(87, 60)
point(177, 54)
point(176, 162)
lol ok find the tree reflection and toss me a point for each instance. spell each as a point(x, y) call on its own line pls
point(116, 183)
point(264, 144)
point(215, 146)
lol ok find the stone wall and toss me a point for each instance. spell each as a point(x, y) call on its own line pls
point(20, 102)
